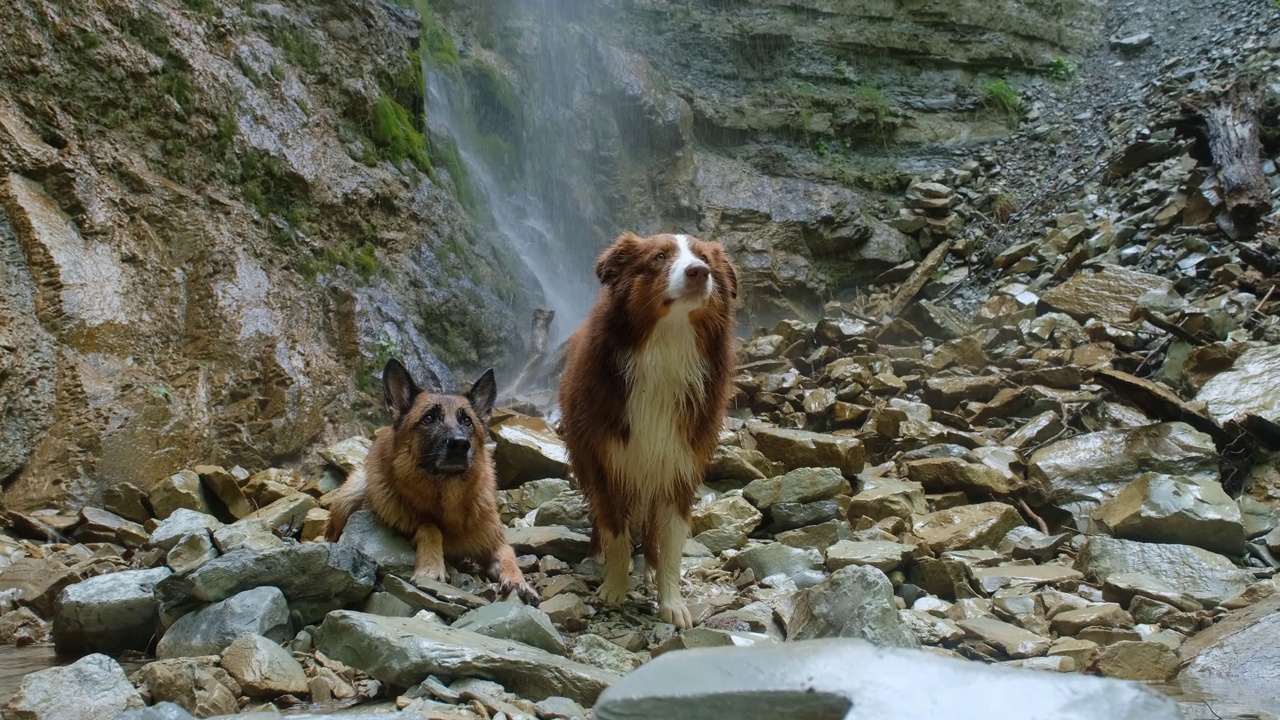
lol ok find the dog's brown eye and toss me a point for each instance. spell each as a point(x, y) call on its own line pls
point(464, 418)
point(660, 257)
point(430, 418)
point(703, 258)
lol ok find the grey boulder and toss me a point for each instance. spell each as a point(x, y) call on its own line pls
point(210, 630)
point(1205, 576)
point(390, 550)
point(108, 613)
point(1168, 509)
point(92, 688)
point(512, 621)
point(855, 602)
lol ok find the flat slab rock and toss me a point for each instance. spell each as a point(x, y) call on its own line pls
point(404, 651)
point(852, 679)
point(1205, 576)
point(1239, 658)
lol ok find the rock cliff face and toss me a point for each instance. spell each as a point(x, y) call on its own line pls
point(221, 219)
point(218, 221)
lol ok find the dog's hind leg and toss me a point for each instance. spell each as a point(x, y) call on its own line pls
point(346, 501)
point(429, 546)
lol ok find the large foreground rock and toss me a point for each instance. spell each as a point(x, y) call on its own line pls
point(108, 613)
point(1248, 388)
point(315, 577)
point(403, 651)
point(92, 688)
point(855, 602)
point(1082, 472)
point(528, 449)
point(1189, 511)
point(262, 668)
point(1205, 576)
point(391, 551)
point(210, 630)
point(853, 679)
point(1239, 658)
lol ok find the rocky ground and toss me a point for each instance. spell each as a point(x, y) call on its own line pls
point(1051, 444)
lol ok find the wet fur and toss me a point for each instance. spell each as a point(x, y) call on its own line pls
point(449, 515)
point(653, 370)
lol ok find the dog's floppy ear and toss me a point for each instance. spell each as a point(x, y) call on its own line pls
point(482, 395)
point(398, 389)
point(616, 257)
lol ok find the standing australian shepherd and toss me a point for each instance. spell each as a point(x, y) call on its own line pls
point(643, 396)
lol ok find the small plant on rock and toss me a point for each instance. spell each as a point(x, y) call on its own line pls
point(1061, 68)
point(1003, 206)
point(999, 96)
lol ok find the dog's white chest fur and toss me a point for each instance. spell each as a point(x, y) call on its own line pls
point(664, 378)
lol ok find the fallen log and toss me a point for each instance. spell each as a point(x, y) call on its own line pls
point(1231, 124)
point(919, 278)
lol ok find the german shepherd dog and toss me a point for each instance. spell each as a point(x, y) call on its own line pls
point(429, 477)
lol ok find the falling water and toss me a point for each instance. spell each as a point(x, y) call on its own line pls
point(553, 247)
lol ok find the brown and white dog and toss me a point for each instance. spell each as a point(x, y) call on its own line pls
point(643, 396)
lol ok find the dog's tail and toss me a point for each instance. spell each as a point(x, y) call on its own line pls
point(346, 501)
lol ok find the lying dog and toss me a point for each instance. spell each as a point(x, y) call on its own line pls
point(430, 478)
point(644, 393)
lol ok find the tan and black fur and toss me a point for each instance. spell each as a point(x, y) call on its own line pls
point(429, 477)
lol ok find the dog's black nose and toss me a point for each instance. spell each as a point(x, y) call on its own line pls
point(458, 445)
point(697, 273)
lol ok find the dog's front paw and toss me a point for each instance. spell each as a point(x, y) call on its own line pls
point(613, 594)
point(527, 595)
point(427, 575)
point(676, 613)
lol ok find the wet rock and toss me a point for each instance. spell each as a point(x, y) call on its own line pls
point(559, 542)
point(725, 523)
point(931, 630)
point(403, 651)
point(180, 523)
point(92, 688)
point(700, 637)
point(560, 708)
point(796, 449)
point(536, 493)
point(789, 516)
point(828, 678)
point(348, 455)
point(946, 392)
point(388, 605)
point(108, 613)
point(1239, 657)
point(1109, 615)
point(1136, 660)
point(1108, 294)
point(1081, 651)
point(1008, 639)
point(883, 556)
point(224, 486)
point(191, 552)
point(733, 465)
point(36, 582)
point(102, 526)
point(944, 474)
point(1003, 576)
point(1207, 577)
point(800, 565)
point(262, 668)
point(855, 602)
point(315, 577)
point(127, 501)
point(250, 534)
point(210, 630)
point(515, 622)
point(1025, 542)
point(22, 627)
point(1183, 510)
point(1080, 473)
point(944, 577)
point(389, 550)
point(182, 490)
point(1248, 388)
point(593, 650)
point(163, 710)
point(803, 485)
point(566, 609)
point(819, 537)
point(1132, 44)
point(887, 498)
point(967, 527)
point(196, 684)
point(528, 449)
point(1124, 588)
point(567, 510)
point(288, 512)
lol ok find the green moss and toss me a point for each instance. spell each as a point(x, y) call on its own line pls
point(870, 99)
point(205, 7)
point(361, 260)
point(1000, 97)
point(395, 135)
point(298, 47)
point(497, 104)
point(368, 368)
point(444, 153)
point(1061, 68)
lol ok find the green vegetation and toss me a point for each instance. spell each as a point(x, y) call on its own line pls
point(361, 260)
point(1000, 97)
point(1003, 206)
point(871, 99)
point(205, 7)
point(1061, 68)
point(298, 47)
point(395, 135)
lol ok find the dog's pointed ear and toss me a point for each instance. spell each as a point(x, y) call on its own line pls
point(733, 279)
point(615, 257)
point(398, 389)
point(482, 395)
